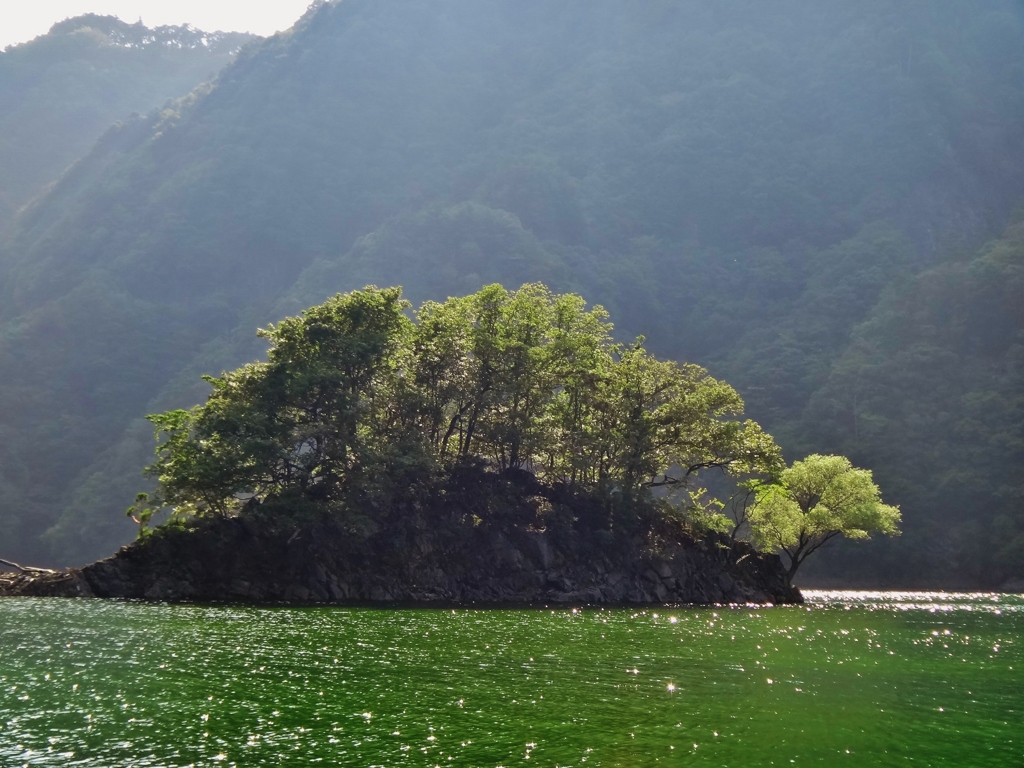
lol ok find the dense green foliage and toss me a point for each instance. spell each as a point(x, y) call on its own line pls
point(815, 501)
point(357, 404)
point(931, 391)
point(61, 91)
point(756, 187)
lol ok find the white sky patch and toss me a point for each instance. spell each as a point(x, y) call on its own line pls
point(22, 20)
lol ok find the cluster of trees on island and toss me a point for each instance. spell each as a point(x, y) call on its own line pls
point(359, 404)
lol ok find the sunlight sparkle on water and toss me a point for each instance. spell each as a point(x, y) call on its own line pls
point(887, 676)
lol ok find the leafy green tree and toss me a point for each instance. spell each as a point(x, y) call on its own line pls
point(442, 372)
point(815, 501)
point(670, 421)
point(356, 400)
point(583, 357)
point(305, 426)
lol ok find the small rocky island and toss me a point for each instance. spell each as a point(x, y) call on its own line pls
point(497, 448)
point(242, 559)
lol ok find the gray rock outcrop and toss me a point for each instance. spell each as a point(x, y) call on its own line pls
point(237, 560)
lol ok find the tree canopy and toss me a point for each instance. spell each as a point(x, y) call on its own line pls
point(356, 398)
point(815, 501)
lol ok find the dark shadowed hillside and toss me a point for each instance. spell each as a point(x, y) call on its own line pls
point(756, 187)
point(930, 389)
point(61, 91)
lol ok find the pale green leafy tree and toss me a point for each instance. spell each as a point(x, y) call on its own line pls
point(815, 501)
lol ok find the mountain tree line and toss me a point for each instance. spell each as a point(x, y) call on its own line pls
point(60, 92)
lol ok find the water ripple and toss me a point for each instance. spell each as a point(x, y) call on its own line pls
point(869, 678)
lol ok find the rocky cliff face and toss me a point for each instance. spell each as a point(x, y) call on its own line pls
point(237, 560)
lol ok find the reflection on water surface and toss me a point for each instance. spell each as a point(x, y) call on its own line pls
point(852, 678)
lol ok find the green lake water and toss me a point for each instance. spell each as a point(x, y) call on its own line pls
point(851, 679)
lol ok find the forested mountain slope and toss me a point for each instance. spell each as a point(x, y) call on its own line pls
point(61, 91)
point(741, 182)
point(930, 389)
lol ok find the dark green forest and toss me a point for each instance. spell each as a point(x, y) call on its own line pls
point(60, 92)
point(819, 203)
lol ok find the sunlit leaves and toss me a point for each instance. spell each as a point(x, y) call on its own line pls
point(356, 397)
point(815, 501)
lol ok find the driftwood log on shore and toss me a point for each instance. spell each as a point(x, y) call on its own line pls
point(25, 568)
